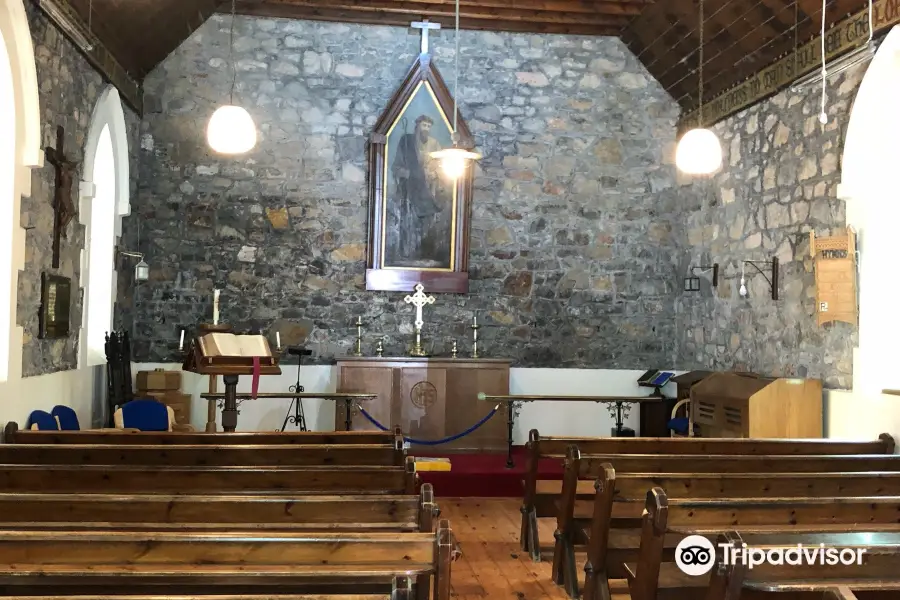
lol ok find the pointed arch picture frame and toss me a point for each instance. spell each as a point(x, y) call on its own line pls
point(419, 218)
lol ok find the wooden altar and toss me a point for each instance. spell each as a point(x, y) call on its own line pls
point(429, 398)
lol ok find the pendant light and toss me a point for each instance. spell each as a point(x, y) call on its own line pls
point(455, 160)
point(231, 129)
point(699, 151)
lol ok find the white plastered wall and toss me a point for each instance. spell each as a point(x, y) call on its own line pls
point(16, 37)
point(18, 396)
point(869, 185)
point(108, 114)
point(569, 418)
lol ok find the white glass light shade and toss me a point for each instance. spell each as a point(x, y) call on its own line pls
point(231, 130)
point(699, 152)
point(142, 271)
point(455, 160)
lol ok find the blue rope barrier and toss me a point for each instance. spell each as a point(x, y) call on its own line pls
point(445, 440)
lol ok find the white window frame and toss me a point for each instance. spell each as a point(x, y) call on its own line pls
point(16, 36)
point(108, 113)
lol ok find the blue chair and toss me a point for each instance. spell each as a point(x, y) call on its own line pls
point(681, 426)
point(42, 421)
point(144, 414)
point(66, 417)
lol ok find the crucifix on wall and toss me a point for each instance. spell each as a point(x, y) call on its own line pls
point(63, 207)
point(425, 26)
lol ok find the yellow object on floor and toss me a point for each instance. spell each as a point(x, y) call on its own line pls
point(432, 464)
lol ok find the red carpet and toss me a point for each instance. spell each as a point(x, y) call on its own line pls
point(484, 475)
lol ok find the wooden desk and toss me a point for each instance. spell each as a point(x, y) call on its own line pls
point(429, 398)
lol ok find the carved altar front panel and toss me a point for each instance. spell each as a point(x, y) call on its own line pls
point(430, 398)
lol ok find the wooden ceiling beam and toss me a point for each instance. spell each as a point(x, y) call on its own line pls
point(293, 10)
point(416, 9)
point(629, 8)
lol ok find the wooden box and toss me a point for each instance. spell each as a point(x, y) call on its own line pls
point(430, 398)
point(158, 380)
point(738, 405)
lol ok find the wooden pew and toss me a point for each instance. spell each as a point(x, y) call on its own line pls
point(400, 591)
point(203, 455)
point(665, 455)
point(656, 576)
point(124, 479)
point(878, 575)
point(711, 517)
point(157, 512)
point(222, 562)
point(707, 502)
point(14, 435)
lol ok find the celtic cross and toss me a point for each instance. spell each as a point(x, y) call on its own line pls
point(419, 299)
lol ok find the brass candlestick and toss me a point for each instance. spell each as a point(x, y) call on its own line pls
point(379, 347)
point(453, 350)
point(359, 325)
point(417, 349)
point(475, 329)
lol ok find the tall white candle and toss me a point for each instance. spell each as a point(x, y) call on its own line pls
point(181, 341)
point(278, 340)
point(475, 320)
point(216, 307)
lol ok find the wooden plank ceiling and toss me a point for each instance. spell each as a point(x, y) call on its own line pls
point(740, 36)
point(142, 33)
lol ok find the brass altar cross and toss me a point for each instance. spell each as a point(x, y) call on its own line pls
point(63, 207)
point(425, 25)
point(419, 299)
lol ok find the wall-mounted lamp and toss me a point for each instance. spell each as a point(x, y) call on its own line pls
point(142, 269)
point(692, 283)
point(773, 282)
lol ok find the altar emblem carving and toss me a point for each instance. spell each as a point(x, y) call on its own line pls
point(423, 394)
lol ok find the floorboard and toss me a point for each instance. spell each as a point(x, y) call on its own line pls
point(492, 565)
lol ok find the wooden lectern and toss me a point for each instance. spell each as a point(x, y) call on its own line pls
point(230, 356)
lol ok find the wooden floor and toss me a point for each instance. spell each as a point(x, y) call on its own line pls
point(492, 564)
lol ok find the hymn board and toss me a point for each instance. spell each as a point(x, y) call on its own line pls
point(419, 234)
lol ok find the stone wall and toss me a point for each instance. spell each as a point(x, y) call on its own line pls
point(69, 87)
point(573, 258)
point(779, 182)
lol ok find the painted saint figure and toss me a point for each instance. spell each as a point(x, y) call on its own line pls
point(422, 201)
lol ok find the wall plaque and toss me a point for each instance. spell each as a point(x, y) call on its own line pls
point(56, 303)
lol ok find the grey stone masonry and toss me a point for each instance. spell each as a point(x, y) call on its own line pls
point(778, 183)
point(575, 216)
point(68, 89)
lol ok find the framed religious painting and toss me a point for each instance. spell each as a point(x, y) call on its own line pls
point(418, 215)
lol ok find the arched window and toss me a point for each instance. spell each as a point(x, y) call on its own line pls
point(20, 151)
point(104, 201)
point(868, 182)
point(7, 190)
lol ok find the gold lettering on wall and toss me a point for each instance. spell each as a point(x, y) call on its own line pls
point(845, 36)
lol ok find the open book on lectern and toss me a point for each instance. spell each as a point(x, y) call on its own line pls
point(231, 345)
point(219, 353)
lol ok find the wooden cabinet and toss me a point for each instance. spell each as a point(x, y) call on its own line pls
point(430, 398)
point(737, 405)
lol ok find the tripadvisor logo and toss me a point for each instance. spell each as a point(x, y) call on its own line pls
point(695, 555)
